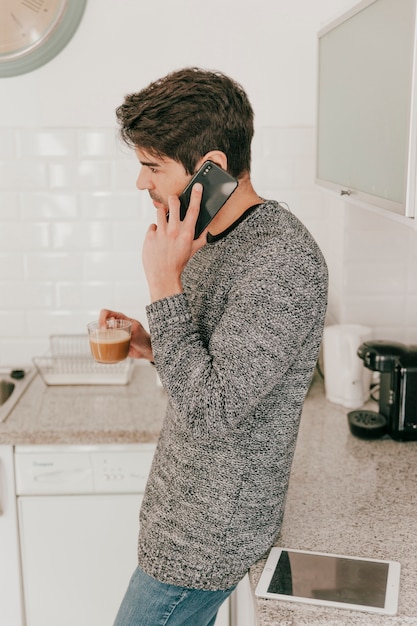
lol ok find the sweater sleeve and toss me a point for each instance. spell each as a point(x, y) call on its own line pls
point(270, 319)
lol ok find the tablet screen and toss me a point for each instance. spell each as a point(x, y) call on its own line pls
point(329, 579)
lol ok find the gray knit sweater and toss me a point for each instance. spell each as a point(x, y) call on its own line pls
point(235, 353)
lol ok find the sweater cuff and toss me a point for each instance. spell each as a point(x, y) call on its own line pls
point(166, 313)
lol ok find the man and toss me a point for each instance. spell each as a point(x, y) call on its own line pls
point(235, 319)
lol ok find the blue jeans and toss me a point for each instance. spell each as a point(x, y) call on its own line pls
point(148, 602)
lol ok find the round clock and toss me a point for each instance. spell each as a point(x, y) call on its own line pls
point(32, 32)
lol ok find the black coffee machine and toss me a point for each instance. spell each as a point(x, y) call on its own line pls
point(397, 364)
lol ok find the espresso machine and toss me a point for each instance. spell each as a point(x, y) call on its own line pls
point(397, 365)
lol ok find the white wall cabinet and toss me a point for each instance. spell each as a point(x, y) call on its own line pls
point(366, 112)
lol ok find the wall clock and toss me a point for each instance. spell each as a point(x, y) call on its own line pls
point(32, 32)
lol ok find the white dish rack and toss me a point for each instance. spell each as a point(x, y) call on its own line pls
point(69, 362)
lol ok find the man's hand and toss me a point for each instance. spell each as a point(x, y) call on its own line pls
point(169, 245)
point(140, 341)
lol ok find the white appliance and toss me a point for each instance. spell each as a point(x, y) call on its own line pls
point(11, 606)
point(78, 510)
point(346, 380)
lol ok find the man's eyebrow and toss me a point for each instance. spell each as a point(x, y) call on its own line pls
point(149, 164)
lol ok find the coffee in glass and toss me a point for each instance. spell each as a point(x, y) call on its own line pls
point(110, 343)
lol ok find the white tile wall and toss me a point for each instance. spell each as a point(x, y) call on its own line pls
point(72, 225)
point(71, 230)
point(380, 265)
point(372, 257)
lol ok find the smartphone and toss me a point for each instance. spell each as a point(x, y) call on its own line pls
point(218, 186)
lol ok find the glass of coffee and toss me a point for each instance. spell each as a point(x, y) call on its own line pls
point(110, 343)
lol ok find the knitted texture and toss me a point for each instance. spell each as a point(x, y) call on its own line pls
point(235, 353)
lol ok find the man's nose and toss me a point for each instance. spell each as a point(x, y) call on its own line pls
point(143, 181)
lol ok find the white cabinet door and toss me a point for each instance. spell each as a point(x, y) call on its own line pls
point(78, 555)
point(11, 608)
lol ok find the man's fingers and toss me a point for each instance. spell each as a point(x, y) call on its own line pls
point(194, 207)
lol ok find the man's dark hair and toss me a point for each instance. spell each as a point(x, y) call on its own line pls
point(188, 113)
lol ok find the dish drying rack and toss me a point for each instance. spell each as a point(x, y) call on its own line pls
point(69, 362)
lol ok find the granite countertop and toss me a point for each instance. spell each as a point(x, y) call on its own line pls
point(88, 414)
point(346, 495)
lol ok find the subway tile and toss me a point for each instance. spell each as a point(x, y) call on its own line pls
point(277, 173)
point(383, 310)
point(358, 218)
point(88, 294)
point(132, 295)
point(305, 204)
point(97, 143)
point(23, 295)
point(79, 175)
point(12, 323)
point(24, 236)
point(303, 173)
point(375, 279)
point(124, 174)
point(411, 312)
point(412, 279)
point(23, 175)
point(129, 236)
point(288, 142)
point(63, 175)
point(54, 266)
point(123, 151)
point(94, 174)
point(257, 147)
point(9, 205)
point(12, 267)
point(110, 205)
point(147, 213)
point(7, 143)
point(49, 205)
point(97, 236)
point(382, 246)
point(413, 248)
point(46, 323)
point(139, 308)
point(82, 236)
point(257, 179)
point(46, 143)
point(18, 351)
point(389, 333)
point(111, 266)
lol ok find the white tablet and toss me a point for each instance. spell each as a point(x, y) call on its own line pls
point(335, 580)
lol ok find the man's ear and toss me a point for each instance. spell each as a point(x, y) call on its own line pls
point(217, 156)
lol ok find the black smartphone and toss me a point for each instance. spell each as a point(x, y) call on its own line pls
point(218, 186)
